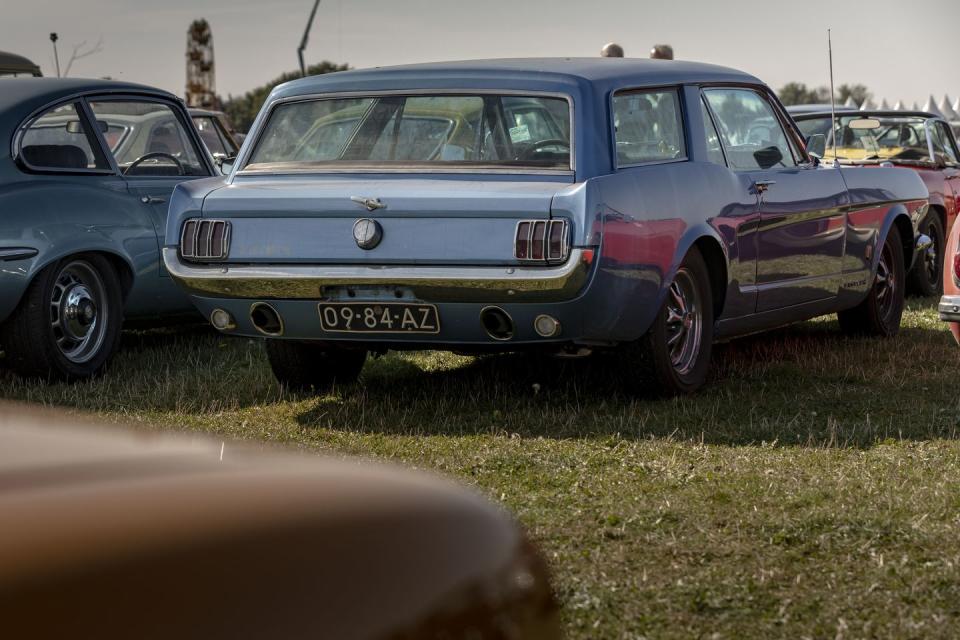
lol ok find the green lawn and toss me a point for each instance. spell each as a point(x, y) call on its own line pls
point(812, 490)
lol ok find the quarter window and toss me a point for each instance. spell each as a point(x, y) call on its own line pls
point(942, 142)
point(751, 132)
point(712, 138)
point(648, 127)
point(155, 142)
point(60, 140)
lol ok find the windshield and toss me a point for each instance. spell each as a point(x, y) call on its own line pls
point(432, 132)
point(897, 137)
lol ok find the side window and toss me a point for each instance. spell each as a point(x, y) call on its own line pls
point(155, 143)
point(942, 142)
point(207, 129)
point(751, 133)
point(712, 138)
point(59, 140)
point(648, 126)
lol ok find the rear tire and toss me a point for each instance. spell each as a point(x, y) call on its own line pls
point(312, 366)
point(879, 314)
point(67, 326)
point(926, 277)
point(673, 357)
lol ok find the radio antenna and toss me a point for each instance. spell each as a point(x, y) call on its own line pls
point(306, 36)
point(833, 102)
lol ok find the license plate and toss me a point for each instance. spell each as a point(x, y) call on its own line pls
point(382, 317)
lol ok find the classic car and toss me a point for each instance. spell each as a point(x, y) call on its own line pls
point(186, 538)
point(86, 170)
point(216, 132)
point(16, 66)
point(949, 307)
point(916, 140)
point(656, 223)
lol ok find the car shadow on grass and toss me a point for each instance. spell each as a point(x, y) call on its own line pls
point(805, 384)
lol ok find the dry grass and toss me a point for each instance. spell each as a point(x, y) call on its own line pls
point(812, 490)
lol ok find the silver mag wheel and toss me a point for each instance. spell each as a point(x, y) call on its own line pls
point(885, 286)
point(931, 262)
point(79, 311)
point(684, 330)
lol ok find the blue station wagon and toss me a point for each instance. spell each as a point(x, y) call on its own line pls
point(86, 171)
point(561, 205)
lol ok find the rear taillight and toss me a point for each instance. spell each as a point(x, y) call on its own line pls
point(542, 240)
point(956, 269)
point(205, 240)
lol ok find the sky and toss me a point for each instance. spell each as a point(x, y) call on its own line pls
point(901, 51)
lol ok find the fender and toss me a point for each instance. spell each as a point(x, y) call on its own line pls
point(58, 242)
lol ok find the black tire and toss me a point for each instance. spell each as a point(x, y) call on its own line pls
point(880, 312)
point(926, 277)
point(686, 316)
point(67, 326)
point(313, 366)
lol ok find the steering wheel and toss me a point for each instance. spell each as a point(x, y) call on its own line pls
point(151, 156)
point(542, 144)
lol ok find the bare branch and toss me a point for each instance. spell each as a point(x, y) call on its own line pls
point(79, 53)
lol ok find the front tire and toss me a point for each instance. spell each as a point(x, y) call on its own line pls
point(311, 366)
point(67, 326)
point(926, 277)
point(879, 314)
point(674, 355)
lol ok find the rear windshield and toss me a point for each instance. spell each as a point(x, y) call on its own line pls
point(428, 131)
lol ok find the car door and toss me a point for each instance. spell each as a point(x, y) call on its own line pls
point(946, 145)
point(154, 148)
point(802, 208)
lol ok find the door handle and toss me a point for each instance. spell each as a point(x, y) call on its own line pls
point(763, 185)
point(152, 200)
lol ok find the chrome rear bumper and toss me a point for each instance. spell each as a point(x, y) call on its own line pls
point(459, 284)
point(949, 308)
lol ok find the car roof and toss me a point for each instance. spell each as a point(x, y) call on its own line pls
point(883, 113)
point(200, 111)
point(22, 96)
point(535, 74)
point(798, 109)
point(17, 63)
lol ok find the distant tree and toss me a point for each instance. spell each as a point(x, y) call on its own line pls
point(798, 93)
point(242, 110)
point(858, 92)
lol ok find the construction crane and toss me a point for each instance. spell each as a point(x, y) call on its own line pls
point(201, 72)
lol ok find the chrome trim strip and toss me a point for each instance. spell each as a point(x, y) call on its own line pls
point(949, 308)
point(428, 283)
point(17, 253)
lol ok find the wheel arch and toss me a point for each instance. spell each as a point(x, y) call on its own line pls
point(706, 240)
point(121, 264)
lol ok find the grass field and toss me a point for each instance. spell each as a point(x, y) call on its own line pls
point(812, 490)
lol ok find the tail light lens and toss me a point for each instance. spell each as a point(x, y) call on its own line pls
point(205, 240)
point(956, 268)
point(542, 240)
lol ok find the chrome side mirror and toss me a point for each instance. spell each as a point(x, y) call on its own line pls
point(225, 163)
point(817, 146)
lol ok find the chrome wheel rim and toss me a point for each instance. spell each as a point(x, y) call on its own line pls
point(78, 312)
point(885, 286)
point(684, 322)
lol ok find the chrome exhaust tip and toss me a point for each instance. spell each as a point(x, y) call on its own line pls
point(266, 320)
point(497, 323)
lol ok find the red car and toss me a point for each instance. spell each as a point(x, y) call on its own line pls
point(914, 139)
point(950, 302)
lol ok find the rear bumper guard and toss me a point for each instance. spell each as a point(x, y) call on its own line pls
point(949, 308)
point(445, 283)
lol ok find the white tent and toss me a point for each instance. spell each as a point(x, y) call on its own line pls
point(884, 105)
point(956, 106)
point(915, 107)
point(931, 106)
point(868, 105)
point(851, 104)
point(899, 106)
point(949, 114)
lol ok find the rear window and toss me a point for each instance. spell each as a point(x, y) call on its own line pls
point(426, 131)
